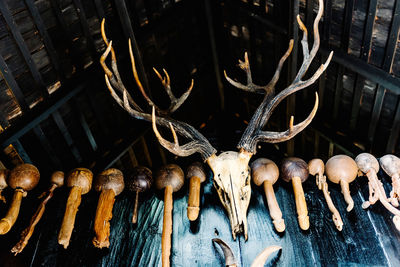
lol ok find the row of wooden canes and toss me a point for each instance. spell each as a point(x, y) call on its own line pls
point(340, 169)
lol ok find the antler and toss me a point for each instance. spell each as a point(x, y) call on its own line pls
point(254, 133)
point(198, 142)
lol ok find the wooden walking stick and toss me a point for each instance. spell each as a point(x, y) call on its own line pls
point(296, 170)
point(140, 180)
point(171, 179)
point(391, 165)
point(110, 183)
point(265, 172)
point(57, 180)
point(196, 175)
point(316, 168)
point(369, 166)
point(80, 181)
point(22, 178)
point(3, 182)
point(342, 169)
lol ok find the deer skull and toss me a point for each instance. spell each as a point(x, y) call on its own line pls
point(232, 182)
point(231, 170)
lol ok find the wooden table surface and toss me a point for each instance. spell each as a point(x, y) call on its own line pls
point(368, 238)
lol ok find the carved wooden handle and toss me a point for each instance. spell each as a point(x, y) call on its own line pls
point(301, 205)
point(346, 193)
point(103, 217)
point(8, 221)
point(194, 198)
point(73, 202)
point(27, 233)
point(337, 220)
point(273, 206)
point(167, 226)
point(135, 207)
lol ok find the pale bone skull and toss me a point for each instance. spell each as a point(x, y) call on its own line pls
point(232, 182)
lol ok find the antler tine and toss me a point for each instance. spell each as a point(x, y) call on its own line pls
point(276, 137)
point(175, 103)
point(254, 132)
point(182, 151)
point(117, 83)
point(250, 86)
point(198, 144)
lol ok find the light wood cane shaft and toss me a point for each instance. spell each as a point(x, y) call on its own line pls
point(135, 207)
point(346, 193)
point(194, 198)
point(73, 202)
point(167, 226)
point(103, 217)
point(337, 219)
point(301, 205)
point(273, 206)
point(8, 221)
point(27, 233)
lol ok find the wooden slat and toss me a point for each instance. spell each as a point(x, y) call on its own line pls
point(12, 84)
point(387, 64)
point(21, 152)
point(338, 92)
point(291, 100)
point(132, 157)
point(22, 46)
point(85, 125)
point(394, 134)
point(376, 111)
point(368, 29)
point(77, 59)
point(365, 51)
point(309, 14)
point(45, 36)
point(344, 45)
point(327, 21)
point(214, 53)
point(85, 27)
point(37, 130)
point(99, 9)
point(347, 22)
point(128, 30)
point(67, 136)
point(33, 119)
point(146, 152)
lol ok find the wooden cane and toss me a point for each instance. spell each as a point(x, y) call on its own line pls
point(171, 179)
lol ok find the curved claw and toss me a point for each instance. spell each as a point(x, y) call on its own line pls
point(228, 254)
point(260, 260)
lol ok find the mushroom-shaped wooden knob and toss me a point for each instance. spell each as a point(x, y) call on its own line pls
point(140, 180)
point(80, 181)
point(296, 170)
point(391, 165)
point(342, 169)
point(196, 175)
point(56, 180)
point(110, 183)
point(3, 182)
point(171, 179)
point(265, 172)
point(369, 165)
point(22, 178)
point(316, 168)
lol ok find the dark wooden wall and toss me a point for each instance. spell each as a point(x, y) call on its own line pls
point(55, 110)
